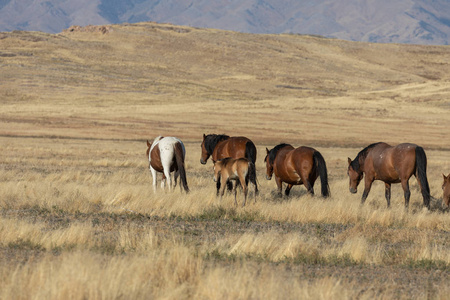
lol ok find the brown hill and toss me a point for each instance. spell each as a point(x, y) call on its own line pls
point(138, 81)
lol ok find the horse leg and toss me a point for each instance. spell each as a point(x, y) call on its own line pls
point(245, 189)
point(407, 192)
point(175, 178)
point(279, 185)
point(367, 185)
point(288, 189)
point(235, 193)
point(218, 185)
point(168, 177)
point(307, 184)
point(154, 174)
point(223, 188)
point(387, 193)
point(163, 181)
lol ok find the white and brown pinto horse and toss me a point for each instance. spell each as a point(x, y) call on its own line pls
point(166, 155)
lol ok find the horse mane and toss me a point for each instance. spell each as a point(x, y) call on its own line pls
point(356, 163)
point(211, 141)
point(273, 153)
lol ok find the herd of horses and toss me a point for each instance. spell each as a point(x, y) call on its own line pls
point(234, 165)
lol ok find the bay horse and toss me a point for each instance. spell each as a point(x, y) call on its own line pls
point(220, 146)
point(295, 166)
point(240, 170)
point(446, 191)
point(390, 164)
point(165, 155)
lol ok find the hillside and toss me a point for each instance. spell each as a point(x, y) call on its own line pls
point(133, 81)
point(78, 214)
point(403, 21)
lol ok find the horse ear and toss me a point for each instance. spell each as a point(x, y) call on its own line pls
point(446, 177)
point(148, 144)
point(349, 161)
point(204, 136)
point(267, 150)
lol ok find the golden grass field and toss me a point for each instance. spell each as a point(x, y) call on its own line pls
point(78, 216)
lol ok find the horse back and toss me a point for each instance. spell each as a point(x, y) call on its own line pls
point(233, 147)
point(301, 160)
point(391, 163)
point(156, 161)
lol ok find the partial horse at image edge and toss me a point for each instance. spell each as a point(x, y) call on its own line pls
point(446, 192)
point(166, 155)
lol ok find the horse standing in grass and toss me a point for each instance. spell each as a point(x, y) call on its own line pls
point(390, 164)
point(240, 170)
point(446, 191)
point(223, 146)
point(295, 166)
point(165, 155)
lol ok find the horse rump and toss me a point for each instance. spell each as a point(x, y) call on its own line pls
point(179, 158)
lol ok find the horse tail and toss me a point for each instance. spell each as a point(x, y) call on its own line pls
point(251, 175)
point(179, 158)
point(250, 151)
point(321, 167)
point(421, 173)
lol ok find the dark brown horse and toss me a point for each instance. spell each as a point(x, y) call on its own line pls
point(295, 166)
point(166, 155)
point(240, 170)
point(446, 191)
point(223, 146)
point(389, 164)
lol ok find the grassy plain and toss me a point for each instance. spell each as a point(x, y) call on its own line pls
point(79, 218)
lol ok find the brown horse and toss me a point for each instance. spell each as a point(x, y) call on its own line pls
point(240, 169)
point(295, 166)
point(165, 155)
point(381, 161)
point(222, 146)
point(446, 189)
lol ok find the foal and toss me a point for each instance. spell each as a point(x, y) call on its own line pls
point(235, 169)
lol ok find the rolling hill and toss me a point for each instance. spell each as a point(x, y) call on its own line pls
point(404, 21)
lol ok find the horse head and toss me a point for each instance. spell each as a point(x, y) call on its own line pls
point(355, 176)
point(269, 166)
point(205, 154)
point(446, 191)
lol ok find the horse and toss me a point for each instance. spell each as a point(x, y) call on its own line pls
point(240, 170)
point(446, 191)
point(220, 146)
point(295, 166)
point(165, 155)
point(390, 164)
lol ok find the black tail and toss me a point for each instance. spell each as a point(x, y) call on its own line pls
point(179, 157)
point(321, 167)
point(250, 151)
point(251, 176)
point(421, 173)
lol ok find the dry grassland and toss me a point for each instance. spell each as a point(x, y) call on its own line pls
point(78, 216)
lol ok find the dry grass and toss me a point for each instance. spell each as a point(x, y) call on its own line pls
point(78, 216)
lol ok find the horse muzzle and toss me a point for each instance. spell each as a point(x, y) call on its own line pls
point(268, 177)
point(203, 162)
point(353, 190)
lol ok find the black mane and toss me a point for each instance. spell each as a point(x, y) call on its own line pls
point(273, 153)
point(355, 164)
point(211, 141)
